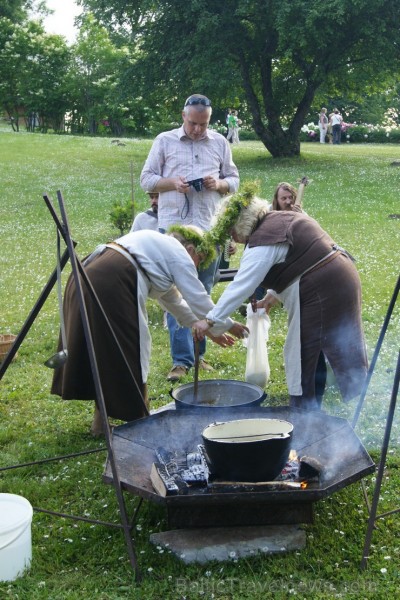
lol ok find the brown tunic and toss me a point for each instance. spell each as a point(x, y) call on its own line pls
point(330, 301)
point(114, 279)
point(308, 244)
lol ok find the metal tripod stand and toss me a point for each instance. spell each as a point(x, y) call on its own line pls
point(79, 275)
point(373, 509)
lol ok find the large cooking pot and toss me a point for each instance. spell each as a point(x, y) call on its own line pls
point(247, 449)
point(218, 393)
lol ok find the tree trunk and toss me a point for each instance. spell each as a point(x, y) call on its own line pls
point(283, 145)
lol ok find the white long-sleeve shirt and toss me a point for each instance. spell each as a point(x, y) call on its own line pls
point(167, 274)
point(254, 265)
point(173, 154)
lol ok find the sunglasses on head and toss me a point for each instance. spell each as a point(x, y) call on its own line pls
point(193, 100)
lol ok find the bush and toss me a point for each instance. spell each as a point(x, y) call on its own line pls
point(121, 215)
point(356, 134)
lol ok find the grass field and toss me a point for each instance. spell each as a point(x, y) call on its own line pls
point(354, 195)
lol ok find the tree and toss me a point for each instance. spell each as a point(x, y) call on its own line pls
point(33, 67)
point(278, 53)
point(98, 69)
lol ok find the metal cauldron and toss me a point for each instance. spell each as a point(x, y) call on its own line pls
point(248, 449)
point(218, 393)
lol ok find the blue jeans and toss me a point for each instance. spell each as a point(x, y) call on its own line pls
point(180, 338)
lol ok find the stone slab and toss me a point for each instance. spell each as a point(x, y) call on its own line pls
point(228, 543)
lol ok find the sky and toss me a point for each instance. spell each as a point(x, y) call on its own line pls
point(62, 21)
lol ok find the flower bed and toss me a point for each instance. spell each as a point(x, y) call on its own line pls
point(356, 133)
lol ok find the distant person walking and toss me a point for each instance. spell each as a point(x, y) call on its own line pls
point(323, 125)
point(228, 114)
point(336, 121)
point(233, 127)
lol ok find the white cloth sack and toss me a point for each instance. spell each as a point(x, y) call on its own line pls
point(257, 364)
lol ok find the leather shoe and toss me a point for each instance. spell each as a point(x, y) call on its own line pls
point(177, 372)
point(203, 364)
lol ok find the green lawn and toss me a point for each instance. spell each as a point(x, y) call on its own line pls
point(353, 192)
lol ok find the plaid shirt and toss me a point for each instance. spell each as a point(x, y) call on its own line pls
point(173, 154)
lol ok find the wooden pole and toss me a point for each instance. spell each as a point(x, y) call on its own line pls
point(132, 192)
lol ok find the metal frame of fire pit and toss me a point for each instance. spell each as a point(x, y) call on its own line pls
point(330, 440)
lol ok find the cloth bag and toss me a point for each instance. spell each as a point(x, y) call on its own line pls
point(257, 364)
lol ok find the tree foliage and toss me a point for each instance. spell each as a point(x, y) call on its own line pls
point(32, 75)
point(278, 54)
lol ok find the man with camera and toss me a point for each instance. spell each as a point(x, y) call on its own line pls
point(192, 168)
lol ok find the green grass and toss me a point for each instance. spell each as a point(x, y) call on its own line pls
point(353, 191)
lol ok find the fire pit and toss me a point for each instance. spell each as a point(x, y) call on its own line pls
point(330, 441)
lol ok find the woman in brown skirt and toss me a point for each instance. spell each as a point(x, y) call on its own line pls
point(123, 274)
point(288, 252)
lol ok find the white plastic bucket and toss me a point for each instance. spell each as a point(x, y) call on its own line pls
point(15, 536)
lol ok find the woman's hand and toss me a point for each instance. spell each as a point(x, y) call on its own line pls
point(268, 302)
point(223, 340)
point(239, 330)
point(201, 328)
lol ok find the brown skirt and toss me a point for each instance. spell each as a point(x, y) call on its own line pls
point(330, 313)
point(114, 280)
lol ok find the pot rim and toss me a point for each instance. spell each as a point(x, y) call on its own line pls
point(206, 382)
point(260, 437)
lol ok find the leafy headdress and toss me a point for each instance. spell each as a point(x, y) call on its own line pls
point(230, 212)
point(193, 235)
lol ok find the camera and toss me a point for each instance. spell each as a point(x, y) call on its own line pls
point(197, 184)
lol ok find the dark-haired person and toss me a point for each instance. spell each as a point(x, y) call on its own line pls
point(336, 121)
point(189, 153)
point(124, 274)
point(290, 253)
point(147, 219)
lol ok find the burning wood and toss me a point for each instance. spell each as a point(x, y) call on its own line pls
point(175, 473)
point(310, 468)
point(258, 485)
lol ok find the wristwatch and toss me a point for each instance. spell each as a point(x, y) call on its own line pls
point(209, 322)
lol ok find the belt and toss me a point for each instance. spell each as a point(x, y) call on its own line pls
point(324, 261)
point(122, 251)
point(131, 257)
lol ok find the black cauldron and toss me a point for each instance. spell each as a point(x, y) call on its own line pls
point(247, 449)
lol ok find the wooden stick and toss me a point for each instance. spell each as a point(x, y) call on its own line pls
point(196, 370)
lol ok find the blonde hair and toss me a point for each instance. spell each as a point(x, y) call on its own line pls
point(250, 217)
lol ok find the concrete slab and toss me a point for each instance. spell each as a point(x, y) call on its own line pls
point(227, 543)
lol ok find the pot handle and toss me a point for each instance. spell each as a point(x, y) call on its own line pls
point(262, 398)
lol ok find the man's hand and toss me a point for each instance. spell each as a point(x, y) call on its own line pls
point(199, 330)
point(168, 184)
point(219, 185)
point(181, 185)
